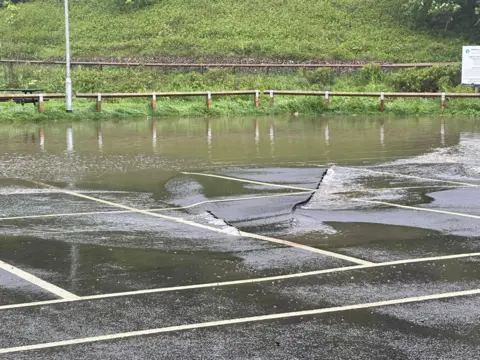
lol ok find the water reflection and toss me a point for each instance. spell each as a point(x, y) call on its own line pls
point(327, 135)
point(257, 138)
point(42, 139)
point(254, 139)
point(272, 138)
point(154, 137)
point(442, 132)
point(69, 139)
point(209, 138)
point(382, 134)
point(100, 138)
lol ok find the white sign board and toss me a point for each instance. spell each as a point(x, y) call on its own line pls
point(471, 66)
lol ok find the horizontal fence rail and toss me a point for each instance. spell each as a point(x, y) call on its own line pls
point(7, 97)
point(372, 94)
point(167, 94)
point(153, 95)
point(265, 66)
point(382, 95)
point(34, 98)
point(256, 93)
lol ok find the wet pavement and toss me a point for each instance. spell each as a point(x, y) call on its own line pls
point(335, 212)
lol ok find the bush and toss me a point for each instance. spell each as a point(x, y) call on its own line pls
point(372, 73)
point(133, 4)
point(321, 76)
point(434, 79)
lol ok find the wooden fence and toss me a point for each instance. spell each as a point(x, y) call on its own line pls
point(208, 95)
point(39, 98)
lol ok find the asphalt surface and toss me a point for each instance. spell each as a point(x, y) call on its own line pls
point(136, 211)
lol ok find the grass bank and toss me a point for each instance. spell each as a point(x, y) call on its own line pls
point(203, 29)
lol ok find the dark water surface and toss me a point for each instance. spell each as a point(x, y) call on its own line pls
point(88, 235)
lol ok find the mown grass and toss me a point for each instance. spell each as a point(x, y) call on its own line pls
point(201, 29)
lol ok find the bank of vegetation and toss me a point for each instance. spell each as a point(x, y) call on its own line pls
point(370, 78)
point(246, 30)
point(380, 30)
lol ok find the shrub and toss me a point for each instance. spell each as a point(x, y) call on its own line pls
point(436, 78)
point(372, 73)
point(321, 76)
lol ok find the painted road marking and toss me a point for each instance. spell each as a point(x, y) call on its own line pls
point(64, 294)
point(244, 320)
point(240, 282)
point(41, 216)
point(250, 181)
point(211, 228)
point(444, 212)
point(399, 188)
point(410, 176)
point(161, 209)
point(356, 200)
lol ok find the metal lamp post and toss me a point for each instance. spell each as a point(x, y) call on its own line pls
point(68, 80)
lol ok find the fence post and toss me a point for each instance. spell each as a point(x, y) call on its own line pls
point(327, 98)
point(154, 102)
point(444, 101)
point(99, 103)
point(257, 99)
point(209, 99)
point(272, 101)
point(40, 103)
point(382, 102)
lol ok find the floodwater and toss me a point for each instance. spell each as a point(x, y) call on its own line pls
point(99, 209)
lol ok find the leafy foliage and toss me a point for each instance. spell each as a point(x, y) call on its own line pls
point(133, 4)
point(204, 29)
point(434, 79)
point(464, 13)
point(323, 77)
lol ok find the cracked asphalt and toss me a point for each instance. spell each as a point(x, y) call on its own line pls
point(339, 179)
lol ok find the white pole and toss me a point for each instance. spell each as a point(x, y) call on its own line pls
point(68, 80)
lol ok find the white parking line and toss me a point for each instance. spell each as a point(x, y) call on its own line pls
point(41, 216)
point(356, 200)
point(241, 282)
point(246, 198)
point(64, 294)
point(250, 181)
point(409, 176)
point(244, 320)
point(211, 228)
point(417, 208)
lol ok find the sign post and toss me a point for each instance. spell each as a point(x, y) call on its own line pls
point(471, 66)
point(68, 79)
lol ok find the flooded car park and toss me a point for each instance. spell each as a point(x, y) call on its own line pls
point(225, 238)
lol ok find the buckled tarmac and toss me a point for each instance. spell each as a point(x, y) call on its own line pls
point(233, 262)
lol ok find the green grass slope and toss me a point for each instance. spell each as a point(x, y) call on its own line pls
point(204, 29)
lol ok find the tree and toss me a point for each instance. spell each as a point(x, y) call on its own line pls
point(465, 13)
